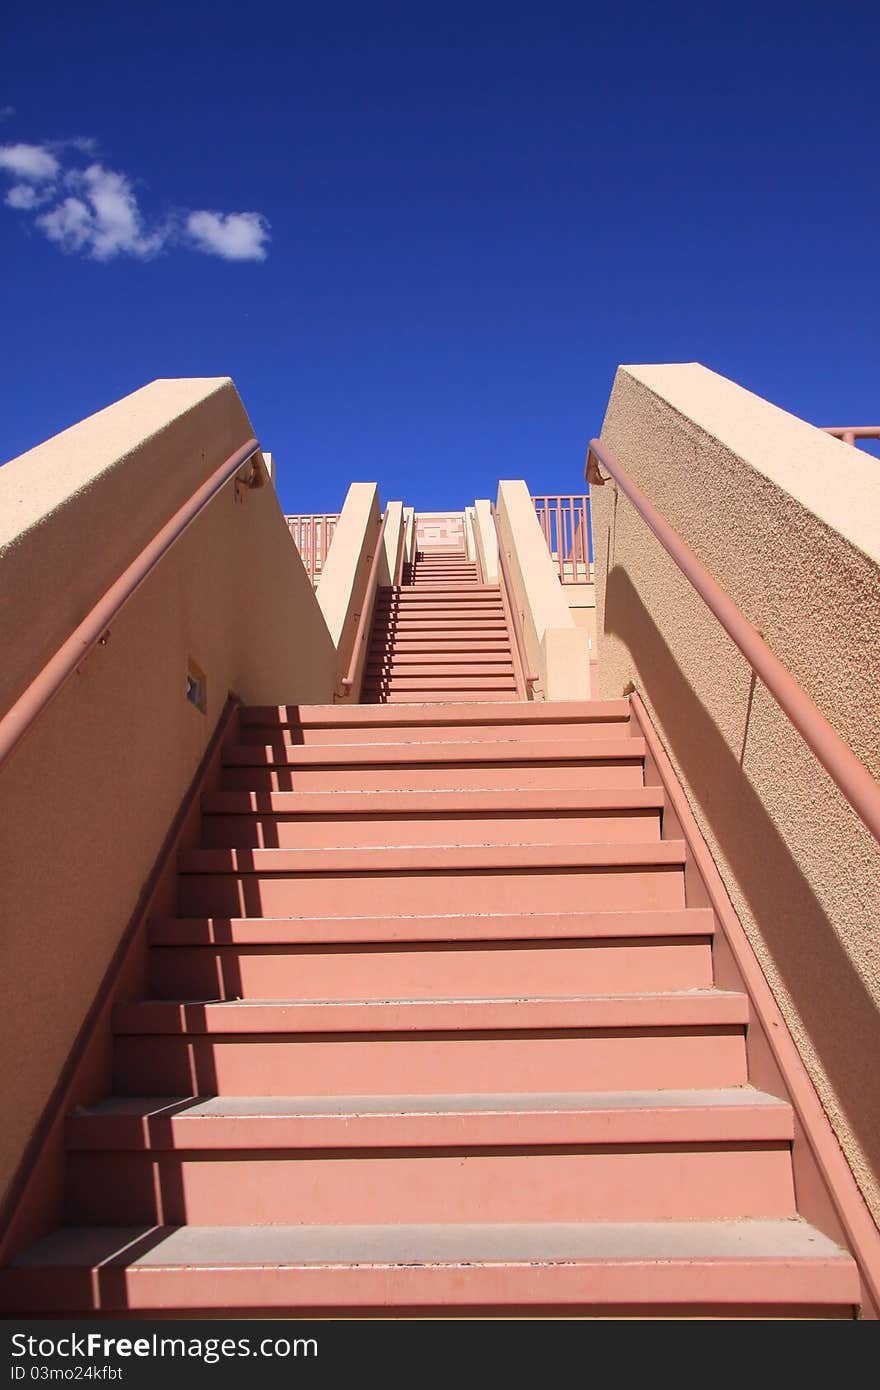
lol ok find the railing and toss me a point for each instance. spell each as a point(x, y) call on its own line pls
point(850, 433)
point(567, 528)
point(527, 677)
point(366, 617)
point(95, 628)
point(839, 761)
point(312, 536)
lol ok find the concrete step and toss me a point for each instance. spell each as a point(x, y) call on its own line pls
point(639, 925)
point(692, 1039)
point(607, 876)
point(561, 714)
point(785, 1267)
point(426, 752)
point(612, 769)
point(408, 1159)
point(427, 970)
point(484, 679)
point(303, 819)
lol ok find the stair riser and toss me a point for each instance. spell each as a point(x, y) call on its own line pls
point(342, 895)
point(622, 1184)
point(429, 972)
point(565, 732)
point(680, 1289)
point(421, 754)
point(429, 626)
point(388, 655)
point(436, 680)
point(448, 601)
point(438, 697)
point(449, 777)
point(400, 672)
point(297, 832)
point(429, 1063)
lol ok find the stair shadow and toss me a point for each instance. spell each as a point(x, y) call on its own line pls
point(835, 1007)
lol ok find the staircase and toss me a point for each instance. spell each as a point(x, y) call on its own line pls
point(434, 1029)
point(440, 636)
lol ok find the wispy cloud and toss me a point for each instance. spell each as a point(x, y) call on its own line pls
point(94, 211)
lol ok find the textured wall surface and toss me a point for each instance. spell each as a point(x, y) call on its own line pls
point(556, 648)
point(343, 583)
point(788, 521)
point(89, 795)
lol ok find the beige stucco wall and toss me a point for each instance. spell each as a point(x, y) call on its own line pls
point(581, 600)
point(485, 540)
point(556, 647)
point(788, 521)
point(89, 795)
point(392, 543)
point(346, 572)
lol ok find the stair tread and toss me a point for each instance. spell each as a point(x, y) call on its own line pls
point(687, 1008)
point(465, 801)
point(479, 1121)
point(733, 1097)
point(450, 857)
point(425, 751)
point(635, 923)
point(667, 1241)
point(314, 716)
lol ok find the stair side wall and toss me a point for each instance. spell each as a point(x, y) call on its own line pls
point(91, 791)
point(788, 522)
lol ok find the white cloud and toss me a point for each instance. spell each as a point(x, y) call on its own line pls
point(94, 211)
point(33, 162)
point(236, 236)
point(103, 221)
point(24, 196)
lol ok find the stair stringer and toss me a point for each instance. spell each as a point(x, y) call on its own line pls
point(826, 1190)
point(34, 1201)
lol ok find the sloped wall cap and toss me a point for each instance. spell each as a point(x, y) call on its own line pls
point(809, 465)
point(39, 481)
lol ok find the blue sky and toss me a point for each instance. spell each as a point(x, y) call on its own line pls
point(421, 240)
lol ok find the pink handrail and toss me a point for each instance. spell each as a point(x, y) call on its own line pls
point(839, 761)
point(850, 433)
point(94, 630)
point(528, 677)
point(366, 608)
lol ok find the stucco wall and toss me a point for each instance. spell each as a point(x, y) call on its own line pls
point(556, 647)
point(788, 522)
point(346, 573)
point(89, 795)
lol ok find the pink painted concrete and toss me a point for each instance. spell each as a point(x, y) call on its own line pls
point(523, 1047)
point(691, 1182)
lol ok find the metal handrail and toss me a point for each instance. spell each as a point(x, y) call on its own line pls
point(839, 761)
point(528, 677)
point(94, 630)
point(850, 433)
point(366, 608)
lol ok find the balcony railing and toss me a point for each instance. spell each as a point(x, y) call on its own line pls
point(312, 536)
point(850, 434)
point(567, 528)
